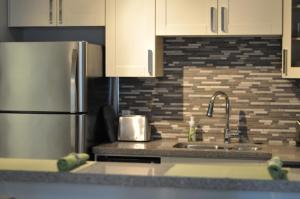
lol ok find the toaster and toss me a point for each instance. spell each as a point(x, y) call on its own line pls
point(134, 128)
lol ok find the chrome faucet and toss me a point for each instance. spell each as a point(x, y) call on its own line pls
point(227, 134)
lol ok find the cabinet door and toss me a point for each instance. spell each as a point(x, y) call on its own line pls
point(130, 38)
point(31, 13)
point(250, 17)
point(291, 39)
point(186, 17)
point(81, 12)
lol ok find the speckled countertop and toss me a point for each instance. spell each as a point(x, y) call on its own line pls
point(164, 148)
point(158, 175)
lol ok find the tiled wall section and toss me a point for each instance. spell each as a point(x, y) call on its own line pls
point(264, 106)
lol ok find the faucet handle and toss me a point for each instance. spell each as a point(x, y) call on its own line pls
point(235, 134)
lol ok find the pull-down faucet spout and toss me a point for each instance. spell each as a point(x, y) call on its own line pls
point(211, 108)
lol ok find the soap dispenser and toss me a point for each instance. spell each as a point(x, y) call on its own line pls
point(192, 130)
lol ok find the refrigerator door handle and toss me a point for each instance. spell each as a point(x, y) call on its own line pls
point(78, 128)
point(73, 90)
point(82, 77)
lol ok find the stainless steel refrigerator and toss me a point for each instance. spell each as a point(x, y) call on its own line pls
point(43, 97)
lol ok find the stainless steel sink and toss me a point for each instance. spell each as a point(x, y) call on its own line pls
point(220, 147)
point(247, 148)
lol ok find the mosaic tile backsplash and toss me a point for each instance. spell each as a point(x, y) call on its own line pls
point(264, 107)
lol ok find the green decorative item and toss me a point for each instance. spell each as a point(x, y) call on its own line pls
point(275, 169)
point(72, 161)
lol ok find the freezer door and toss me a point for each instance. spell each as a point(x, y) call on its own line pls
point(41, 76)
point(41, 136)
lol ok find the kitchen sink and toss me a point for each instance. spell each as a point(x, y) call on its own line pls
point(217, 147)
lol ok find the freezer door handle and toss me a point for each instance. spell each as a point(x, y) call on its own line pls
point(81, 134)
point(78, 130)
point(73, 82)
point(73, 133)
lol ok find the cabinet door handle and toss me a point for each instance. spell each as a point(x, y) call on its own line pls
point(51, 11)
point(212, 19)
point(223, 9)
point(60, 12)
point(284, 61)
point(150, 62)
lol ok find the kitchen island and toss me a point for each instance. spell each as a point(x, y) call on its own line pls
point(125, 180)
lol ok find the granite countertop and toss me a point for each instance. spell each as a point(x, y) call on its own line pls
point(164, 148)
point(158, 175)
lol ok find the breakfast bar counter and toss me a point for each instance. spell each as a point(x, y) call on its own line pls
point(237, 177)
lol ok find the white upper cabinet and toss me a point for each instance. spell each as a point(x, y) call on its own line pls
point(186, 17)
point(132, 49)
point(250, 17)
point(31, 13)
point(40, 13)
point(291, 39)
point(81, 12)
point(219, 17)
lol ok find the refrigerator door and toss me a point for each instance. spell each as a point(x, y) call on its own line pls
point(41, 136)
point(41, 76)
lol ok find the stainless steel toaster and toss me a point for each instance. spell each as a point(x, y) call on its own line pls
point(134, 128)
